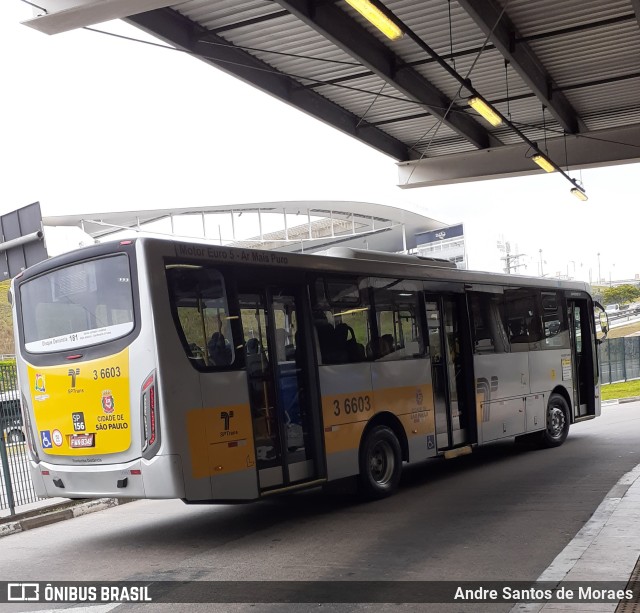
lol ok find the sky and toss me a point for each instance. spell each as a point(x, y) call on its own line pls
point(92, 123)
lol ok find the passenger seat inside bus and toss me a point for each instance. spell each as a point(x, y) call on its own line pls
point(347, 347)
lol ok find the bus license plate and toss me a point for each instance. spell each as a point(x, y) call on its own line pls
point(82, 440)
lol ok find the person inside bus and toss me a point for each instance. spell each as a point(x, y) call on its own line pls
point(255, 358)
point(386, 344)
point(219, 348)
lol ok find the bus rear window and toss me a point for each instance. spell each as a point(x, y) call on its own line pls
point(77, 306)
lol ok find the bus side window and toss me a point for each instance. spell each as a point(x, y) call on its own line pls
point(487, 312)
point(198, 300)
point(341, 320)
point(554, 321)
point(523, 318)
point(396, 304)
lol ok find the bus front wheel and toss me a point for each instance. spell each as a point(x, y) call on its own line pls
point(557, 422)
point(380, 463)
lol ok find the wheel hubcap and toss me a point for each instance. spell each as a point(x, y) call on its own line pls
point(555, 422)
point(381, 462)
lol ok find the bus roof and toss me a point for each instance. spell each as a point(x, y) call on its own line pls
point(336, 260)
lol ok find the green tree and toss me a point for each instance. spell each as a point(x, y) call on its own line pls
point(6, 321)
point(621, 294)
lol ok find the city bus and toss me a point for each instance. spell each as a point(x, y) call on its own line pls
point(156, 368)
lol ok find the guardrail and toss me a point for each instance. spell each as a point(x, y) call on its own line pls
point(15, 482)
point(623, 313)
point(619, 359)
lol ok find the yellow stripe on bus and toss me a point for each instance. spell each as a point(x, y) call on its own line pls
point(346, 415)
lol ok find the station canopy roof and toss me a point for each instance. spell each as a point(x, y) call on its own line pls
point(563, 74)
point(296, 226)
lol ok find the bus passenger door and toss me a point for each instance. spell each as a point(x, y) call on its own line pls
point(446, 351)
point(583, 359)
point(279, 387)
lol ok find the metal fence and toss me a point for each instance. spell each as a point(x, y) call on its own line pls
point(620, 359)
point(15, 483)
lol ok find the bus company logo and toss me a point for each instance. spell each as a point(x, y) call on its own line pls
point(226, 417)
point(73, 373)
point(108, 405)
point(39, 384)
point(486, 388)
point(419, 397)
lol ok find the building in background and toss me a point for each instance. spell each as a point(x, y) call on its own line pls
point(446, 242)
point(294, 226)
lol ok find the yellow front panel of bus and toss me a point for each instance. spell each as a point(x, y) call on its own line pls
point(82, 409)
point(345, 415)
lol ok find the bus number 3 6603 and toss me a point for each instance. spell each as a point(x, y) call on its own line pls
point(106, 373)
point(350, 406)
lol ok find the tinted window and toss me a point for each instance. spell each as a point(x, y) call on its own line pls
point(341, 320)
point(523, 319)
point(199, 302)
point(554, 322)
point(396, 307)
point(488, 323)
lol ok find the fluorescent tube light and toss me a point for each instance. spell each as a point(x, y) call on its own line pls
point(479, 105)
point(543, 162)
point(375, 16)
point(579, 194)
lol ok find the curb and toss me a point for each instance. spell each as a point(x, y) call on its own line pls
point(44, 519)
point(605, 403)
point(631, 399)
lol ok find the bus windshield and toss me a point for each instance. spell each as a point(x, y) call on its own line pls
point(77, 306)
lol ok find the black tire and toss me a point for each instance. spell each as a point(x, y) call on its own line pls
point(557, 422)
point(380, 463)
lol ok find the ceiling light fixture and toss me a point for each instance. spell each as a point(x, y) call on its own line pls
point(377, 18)
point(544, 163)
point(579, 194)
point(486, 110)
point(539, 158)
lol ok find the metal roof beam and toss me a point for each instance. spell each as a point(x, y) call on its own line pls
point(586, 150)
point(185, 35)
point(636, 9)
point(523, 60)
point(334, 24)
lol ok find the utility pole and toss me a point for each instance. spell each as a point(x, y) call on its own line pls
point(541, 271)
point(511, 260)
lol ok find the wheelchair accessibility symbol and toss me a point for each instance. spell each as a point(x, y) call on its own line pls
point(45, 437)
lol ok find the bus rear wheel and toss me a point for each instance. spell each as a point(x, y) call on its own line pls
point(557, 422)
point(380, 463)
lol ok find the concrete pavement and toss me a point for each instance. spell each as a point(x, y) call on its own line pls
point(606, 549)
